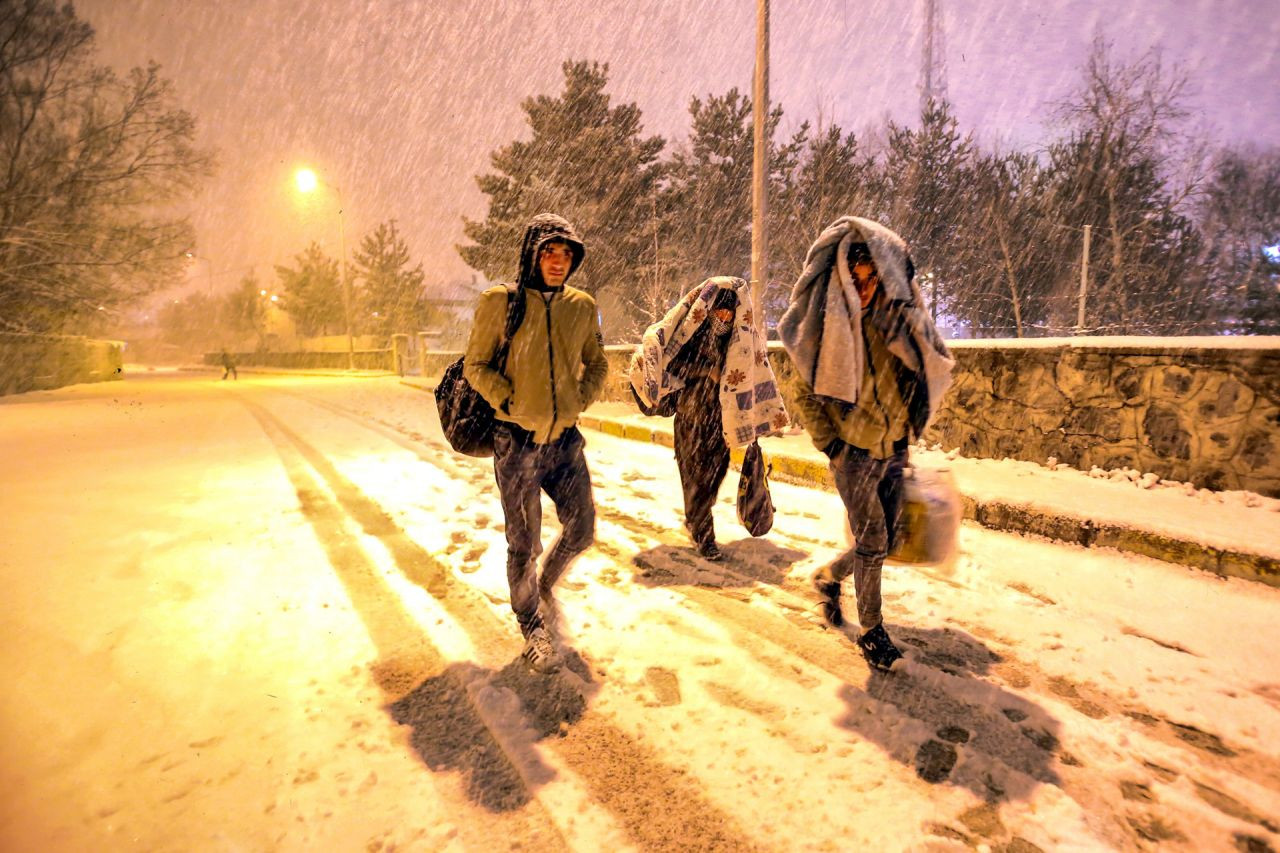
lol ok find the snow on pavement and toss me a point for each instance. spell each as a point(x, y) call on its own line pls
point(294, 597)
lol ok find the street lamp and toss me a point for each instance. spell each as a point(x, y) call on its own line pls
point(308, 181)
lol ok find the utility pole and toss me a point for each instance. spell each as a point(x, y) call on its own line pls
point(655, 304)
point(933, 83)
point(1084, 279)
point(760, 169)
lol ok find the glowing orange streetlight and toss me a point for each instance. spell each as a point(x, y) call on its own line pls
point(308, 181)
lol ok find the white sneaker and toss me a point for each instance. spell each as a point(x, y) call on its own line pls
point(539, 653)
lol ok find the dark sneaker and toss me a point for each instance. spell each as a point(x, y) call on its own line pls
point(539, 653)
point(878, 649)
point(711, 551)
point(829, 600)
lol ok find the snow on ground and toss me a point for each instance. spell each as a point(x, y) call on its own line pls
point(293, 596)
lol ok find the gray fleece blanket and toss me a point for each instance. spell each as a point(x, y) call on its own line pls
point(822, 327)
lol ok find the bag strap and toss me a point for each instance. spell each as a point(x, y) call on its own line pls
point(515, 316)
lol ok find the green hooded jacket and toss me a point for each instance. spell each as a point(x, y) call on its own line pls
point(556, 366)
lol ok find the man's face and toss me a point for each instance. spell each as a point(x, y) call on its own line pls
point(554, 262)
point(866, 279)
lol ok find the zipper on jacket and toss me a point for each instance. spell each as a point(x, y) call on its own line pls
point(551, 365)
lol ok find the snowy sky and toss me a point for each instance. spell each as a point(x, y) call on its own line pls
point(399, 105)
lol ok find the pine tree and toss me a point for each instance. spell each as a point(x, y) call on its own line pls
point(390, 291)
point(1240, 219)
point(586, 161)
point(706, 207)
point(834, 178)
point(928, 183)
point(313, 292)
point(1006, 246)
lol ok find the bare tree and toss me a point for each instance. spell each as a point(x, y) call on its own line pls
point(87, 158)
point(1120, 171)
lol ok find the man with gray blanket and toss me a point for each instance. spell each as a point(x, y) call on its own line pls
point(871, 370)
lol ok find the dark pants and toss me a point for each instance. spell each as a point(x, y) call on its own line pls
point(230, 370)
point(524, 470)
point(703, 460)
point(872, 493)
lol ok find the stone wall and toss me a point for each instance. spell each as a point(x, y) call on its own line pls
point(41, 362)
point(1198, 410)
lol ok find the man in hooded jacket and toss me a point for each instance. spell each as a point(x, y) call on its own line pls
point(555, 368)
point(871, 370)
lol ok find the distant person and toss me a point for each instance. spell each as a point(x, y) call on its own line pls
point(706, 362)
point(871, 370)
point(228, 365)
point(555, 368)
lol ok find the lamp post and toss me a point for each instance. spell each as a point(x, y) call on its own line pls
point(307, 182)
point(208, 266)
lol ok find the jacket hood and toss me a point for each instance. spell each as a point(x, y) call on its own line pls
point(542, 229)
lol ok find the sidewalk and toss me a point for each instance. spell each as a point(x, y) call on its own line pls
point(1228, 533)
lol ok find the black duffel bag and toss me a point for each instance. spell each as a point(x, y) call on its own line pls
point(467, 418)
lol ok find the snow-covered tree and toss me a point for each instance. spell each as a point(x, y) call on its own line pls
point(585, 160)
point(87, 158)
point(313, 292)
point(389, 289)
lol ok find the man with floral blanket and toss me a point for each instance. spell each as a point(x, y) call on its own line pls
point(707, 353)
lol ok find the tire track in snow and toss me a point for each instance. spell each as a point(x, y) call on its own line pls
point(491, 776)
point(599, 753)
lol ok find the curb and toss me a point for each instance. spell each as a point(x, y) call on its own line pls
point(1009, 517)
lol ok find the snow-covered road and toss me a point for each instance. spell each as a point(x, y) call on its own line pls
point(272, 615)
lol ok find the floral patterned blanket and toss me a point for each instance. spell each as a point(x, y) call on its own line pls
point(749, 400)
